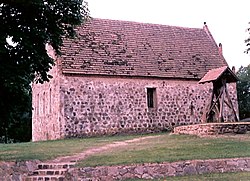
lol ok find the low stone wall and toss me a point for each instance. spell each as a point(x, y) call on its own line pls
point(16, 171)
point(155, 171)
point(213, 128)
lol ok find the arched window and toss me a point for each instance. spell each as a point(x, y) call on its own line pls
point(37, 104)
point(44, 105)
point(50, 101)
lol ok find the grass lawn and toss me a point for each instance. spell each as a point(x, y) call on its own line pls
point(163, 147)
point(242, 176)
point(45, 150)
point(172, 148)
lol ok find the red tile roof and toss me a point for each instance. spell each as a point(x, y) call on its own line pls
point(217, 73)
point(112, 47)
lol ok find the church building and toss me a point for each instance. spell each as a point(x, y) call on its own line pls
point(121, 77)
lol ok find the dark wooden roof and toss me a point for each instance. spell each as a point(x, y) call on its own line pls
point(218, 73)
point(112, 47)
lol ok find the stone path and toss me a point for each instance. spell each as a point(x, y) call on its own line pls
point(55, 170)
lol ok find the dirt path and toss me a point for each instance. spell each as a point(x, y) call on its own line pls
point(92, 151)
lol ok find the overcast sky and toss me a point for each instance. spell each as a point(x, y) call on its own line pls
point(226, 19)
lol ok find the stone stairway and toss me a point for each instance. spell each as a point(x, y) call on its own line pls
point(50, 171)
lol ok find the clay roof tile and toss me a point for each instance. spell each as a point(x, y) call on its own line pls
point(215, 74)
point(113, 47)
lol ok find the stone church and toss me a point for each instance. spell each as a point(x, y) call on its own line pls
point(121, 77)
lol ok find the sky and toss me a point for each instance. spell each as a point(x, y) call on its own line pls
point(227, 20)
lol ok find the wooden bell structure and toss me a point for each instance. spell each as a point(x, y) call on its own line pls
point(220, 96)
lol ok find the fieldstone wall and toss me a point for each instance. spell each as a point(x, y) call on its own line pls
point(109, 105)
point(16, 171)
point(213, 128)
point(45, 114)
point(46, 122)
point(157, 171)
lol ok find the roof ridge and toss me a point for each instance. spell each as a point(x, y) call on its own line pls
point(137, 22)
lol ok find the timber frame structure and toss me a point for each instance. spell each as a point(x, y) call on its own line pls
point(220, 96)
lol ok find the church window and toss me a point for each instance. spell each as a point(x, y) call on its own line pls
point(49, 100)
point(37, 104)
point(43, 103)
point(151, 97)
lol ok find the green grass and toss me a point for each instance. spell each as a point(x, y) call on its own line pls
point(241, 176)
point(161, 148)
point(46, 150)
point(172, 148)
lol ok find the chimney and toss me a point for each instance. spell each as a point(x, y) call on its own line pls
point(220, 49)
point(233, 69)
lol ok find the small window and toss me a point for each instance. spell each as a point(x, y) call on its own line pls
point(37, 104)
point(151, 97)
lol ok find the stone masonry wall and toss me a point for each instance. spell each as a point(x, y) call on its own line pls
point(16, 171)
point(46, 123)
point(99, 105)
point(159, 171)
point(213, 128)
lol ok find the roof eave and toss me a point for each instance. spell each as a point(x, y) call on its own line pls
point(80, 73)
point(226, 69)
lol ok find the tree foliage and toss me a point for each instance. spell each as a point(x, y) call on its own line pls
point(25, 28)
point(243, 91)
point(247, 41)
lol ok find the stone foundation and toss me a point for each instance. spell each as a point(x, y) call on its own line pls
point(213, 129)
point(157, 171)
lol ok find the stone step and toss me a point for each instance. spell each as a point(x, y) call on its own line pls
point(65, 165)
point(60, 171)
point(45, 178)
point(50, 171)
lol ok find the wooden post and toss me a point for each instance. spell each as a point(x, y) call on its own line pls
point(208, 109)
point(215, 109)
point(214, 105)
point(221, 119)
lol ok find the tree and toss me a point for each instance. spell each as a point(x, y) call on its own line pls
point(25, 28)
point(247, 41)
point(243, 91)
